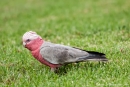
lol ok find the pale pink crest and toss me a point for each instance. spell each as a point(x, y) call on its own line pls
point(30, 35)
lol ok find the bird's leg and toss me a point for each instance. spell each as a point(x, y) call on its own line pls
point(54, 70)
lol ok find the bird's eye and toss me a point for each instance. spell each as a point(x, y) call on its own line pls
point(28, 40)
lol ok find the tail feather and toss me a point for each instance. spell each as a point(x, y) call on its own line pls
point(94, 56)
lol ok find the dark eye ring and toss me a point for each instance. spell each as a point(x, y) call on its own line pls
point(28, 40)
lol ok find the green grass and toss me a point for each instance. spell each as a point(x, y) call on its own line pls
point(97, 25)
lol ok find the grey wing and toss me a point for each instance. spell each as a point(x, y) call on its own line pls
point(60, 54)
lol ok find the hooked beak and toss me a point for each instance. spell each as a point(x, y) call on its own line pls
point(24, 44)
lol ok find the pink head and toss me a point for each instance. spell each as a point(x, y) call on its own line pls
point(30, 40)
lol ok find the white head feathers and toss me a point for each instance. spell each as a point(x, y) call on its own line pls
point(30, 35)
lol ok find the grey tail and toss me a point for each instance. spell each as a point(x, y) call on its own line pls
point(94, 56)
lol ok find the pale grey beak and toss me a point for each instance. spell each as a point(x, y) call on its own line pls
point(24, 44)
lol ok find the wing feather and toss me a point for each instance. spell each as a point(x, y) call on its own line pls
point(60, 54)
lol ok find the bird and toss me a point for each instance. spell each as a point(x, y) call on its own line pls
point(56, 55)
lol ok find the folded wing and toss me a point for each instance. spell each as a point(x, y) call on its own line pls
point(60, 54)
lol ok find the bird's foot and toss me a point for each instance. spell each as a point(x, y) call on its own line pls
point(55, 70)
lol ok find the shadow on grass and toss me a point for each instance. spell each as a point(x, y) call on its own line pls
point(76, 66)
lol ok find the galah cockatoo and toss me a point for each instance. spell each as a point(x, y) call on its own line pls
point(56, 55)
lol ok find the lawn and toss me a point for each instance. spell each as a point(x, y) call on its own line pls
point(94, 25)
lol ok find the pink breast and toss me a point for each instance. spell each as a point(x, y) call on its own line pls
point(38, 56)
